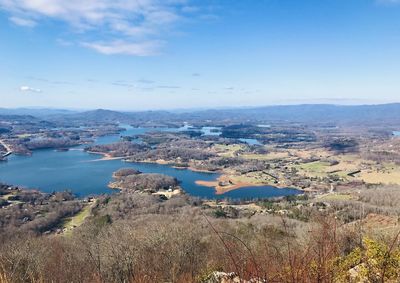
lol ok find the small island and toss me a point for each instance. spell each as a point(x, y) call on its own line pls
point(131, 180)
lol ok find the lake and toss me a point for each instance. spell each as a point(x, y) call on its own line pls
point(84, 174)
point(251, 141)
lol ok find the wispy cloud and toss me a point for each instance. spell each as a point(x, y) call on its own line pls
point(123, 84)
point(145, 81)
point(146, 48)
point(29, 89)
point(49, 81)
point(190, 9)
point(23, 22)
point(169, 86)
point(132, 27)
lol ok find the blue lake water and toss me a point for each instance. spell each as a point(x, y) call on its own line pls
point(396, 133)
point(211, 131)
point(251, 141)
point(83, 173)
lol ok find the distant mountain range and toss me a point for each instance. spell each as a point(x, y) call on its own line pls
point(37, 112)
point(388, 113)
point(312, 113)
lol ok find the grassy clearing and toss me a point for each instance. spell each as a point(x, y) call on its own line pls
point(314, 169)
point(227, 150)
point(371, 172)
point(388, 173)
point(305, 154)
point(250, 206)
point(348, 162)
point(256, 178)
point(345, 166)
point(5, 197)
point(317, 166)
point(23, 136)
point(231, 181)
point(77, 220)
point(268, 156)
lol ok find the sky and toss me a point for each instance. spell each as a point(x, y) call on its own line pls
point(181, 54)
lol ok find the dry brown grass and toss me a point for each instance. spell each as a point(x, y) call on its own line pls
point(388, 173)
point(268, 156)
point(227, 150)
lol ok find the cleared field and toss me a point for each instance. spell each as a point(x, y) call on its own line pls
point(227, 150)
point(77, 220)
point(304, 154)
point(317, 166)
point(250, 206)
point(5, 197)
point(346, 165)
point(390, 175)
point(23, 136)
point(253, 178)
point(232, 182)
point(314, 169)
point(169, 194)
point(268, 156)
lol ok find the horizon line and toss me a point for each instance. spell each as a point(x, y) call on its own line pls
point(194, 109)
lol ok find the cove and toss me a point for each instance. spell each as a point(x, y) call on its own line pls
point(49, 170)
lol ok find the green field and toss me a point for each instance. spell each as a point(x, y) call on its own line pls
point(77, 220)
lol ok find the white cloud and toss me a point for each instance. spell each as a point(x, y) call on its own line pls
point(22, 22)
point(146, 48)
point(190, 9)
point(29, 89)
point(123, 26)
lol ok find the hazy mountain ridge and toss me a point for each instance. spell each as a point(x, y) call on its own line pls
point(37, 112)
point(310, 112)
point(389, 113)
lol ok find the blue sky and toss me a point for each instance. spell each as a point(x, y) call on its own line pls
point(170, 54)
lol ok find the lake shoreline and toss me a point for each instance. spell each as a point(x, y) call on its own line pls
point(222, 189)
point(219, 189)
point(49, 168)
point(106, 156)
